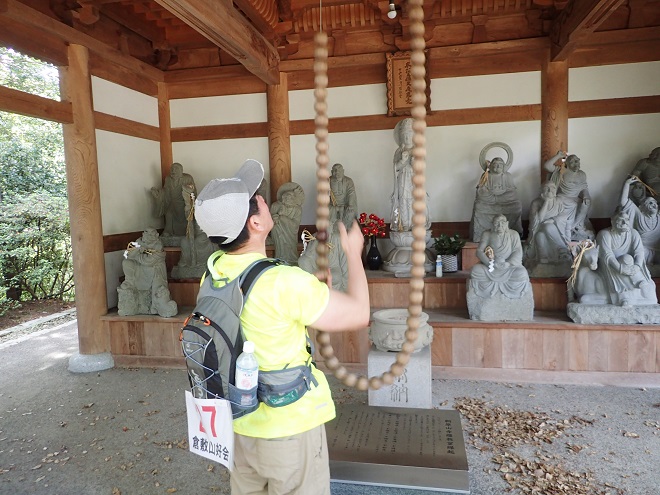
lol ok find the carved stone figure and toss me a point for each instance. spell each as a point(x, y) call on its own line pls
point(496, 194)
point(548, 244)
point(648, 170)
point(573, 191)
point(499, 288)
point(170, 204)
point(388, 330)
point(144, 289)
point(399, 260)
point(286, 213)
point(337, 262)
point(343, 199)
point(646, 221)
point(195, 245)
point(626, 280)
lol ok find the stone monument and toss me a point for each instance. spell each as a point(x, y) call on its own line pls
point(496, 194)
point(646, 221)
point(337, 262)
point(612, 283)
point(499, 288)
point(170, 204)
point(195, 245)
point(399, 260)
point(144, 289)
point(388, 334)
point(343, 199)
point(286, 213)
point(573, 191)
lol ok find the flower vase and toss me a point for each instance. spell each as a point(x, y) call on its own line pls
point(373, 259)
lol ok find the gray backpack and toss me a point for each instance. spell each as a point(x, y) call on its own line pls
point(212, 337)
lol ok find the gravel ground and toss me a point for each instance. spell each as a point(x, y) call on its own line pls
point(122, 431)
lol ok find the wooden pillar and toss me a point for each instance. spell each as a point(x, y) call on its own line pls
point(279, 137)
point(165, 126)
point(84, 203)
point(554, 108)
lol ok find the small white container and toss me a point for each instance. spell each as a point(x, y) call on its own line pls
point(438, 266)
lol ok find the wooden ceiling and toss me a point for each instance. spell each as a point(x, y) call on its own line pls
point(174, 35)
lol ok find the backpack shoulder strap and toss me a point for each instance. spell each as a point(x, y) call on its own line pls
point(253, 272)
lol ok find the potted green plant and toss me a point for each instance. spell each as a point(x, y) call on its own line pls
point(448, 247)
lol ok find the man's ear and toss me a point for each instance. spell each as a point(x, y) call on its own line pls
point(255, 225)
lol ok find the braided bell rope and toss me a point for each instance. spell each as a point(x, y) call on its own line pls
point(418, 113)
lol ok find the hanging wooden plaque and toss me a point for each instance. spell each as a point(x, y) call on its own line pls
point(399, 85)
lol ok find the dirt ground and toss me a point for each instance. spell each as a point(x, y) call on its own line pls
point(31, 310)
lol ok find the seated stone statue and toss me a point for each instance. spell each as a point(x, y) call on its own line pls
point(337, 262)
point(343, 199)
point(286, 213)
point(144, 289)
point(645, 220)
point(170, 204)
point(547, 252)
point(648, 170)
point(496, 195)
point(499, 287)
point(573, 191)
point(195, 245)
point(624, 279)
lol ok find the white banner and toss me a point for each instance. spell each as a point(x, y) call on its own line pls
point(210, 431)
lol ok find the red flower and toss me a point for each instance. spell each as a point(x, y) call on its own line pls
point(372, 225)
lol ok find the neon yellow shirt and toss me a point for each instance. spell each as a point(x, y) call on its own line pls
point(282, 302)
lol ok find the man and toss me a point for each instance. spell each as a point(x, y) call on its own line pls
point(621, 264)
point(343, 199)
point(573, 190)
point(170, 202)
point(501, 270)
point(550, 231)
point(280, 450)
point(648, 170)
point(644, 218)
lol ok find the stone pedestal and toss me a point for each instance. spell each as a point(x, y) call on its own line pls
point(500, 307)
point(399, 259)
point(608, 314)
point(412, 389)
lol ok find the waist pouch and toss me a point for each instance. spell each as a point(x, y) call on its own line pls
point(280, 388)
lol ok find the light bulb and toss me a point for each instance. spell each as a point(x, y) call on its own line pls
point(392, 13)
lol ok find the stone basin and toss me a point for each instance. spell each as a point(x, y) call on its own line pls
point(388, 330)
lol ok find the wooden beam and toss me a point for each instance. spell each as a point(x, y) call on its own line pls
point(165, 128)
point(263, 14)
point(622, 46)
point(279, 135)
point(554, 104)
point(23, 15)
point(14, 101)
point(222, 24)
point(226, 131)
point(120, 125)
point(616, 106)
point(576, 22)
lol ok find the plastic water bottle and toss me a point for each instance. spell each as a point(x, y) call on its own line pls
point(247, 374)
point(438, 266)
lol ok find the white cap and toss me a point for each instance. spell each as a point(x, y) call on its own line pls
point(248, 346)
point(222, 207)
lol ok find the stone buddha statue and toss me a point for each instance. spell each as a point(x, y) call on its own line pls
point(499, 288)
point(496, 194)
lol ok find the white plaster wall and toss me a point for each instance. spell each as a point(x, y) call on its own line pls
point(128, 168)
point(614, 81)
point(349, 101)
point(119, 101)
point(494, 90)
point(206, 160)
point(609, 148)
point(218, 110)
point(452, 166)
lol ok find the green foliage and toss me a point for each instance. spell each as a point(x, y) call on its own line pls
point(31, 150)
point(35, 247)
point(445, 244)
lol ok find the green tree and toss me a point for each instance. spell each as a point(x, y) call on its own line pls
point(35, 246)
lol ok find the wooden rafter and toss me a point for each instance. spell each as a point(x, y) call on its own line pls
point(222, 24)
point(263, 14)
point(577, 21)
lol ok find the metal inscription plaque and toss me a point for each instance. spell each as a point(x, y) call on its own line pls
point(398, 447)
